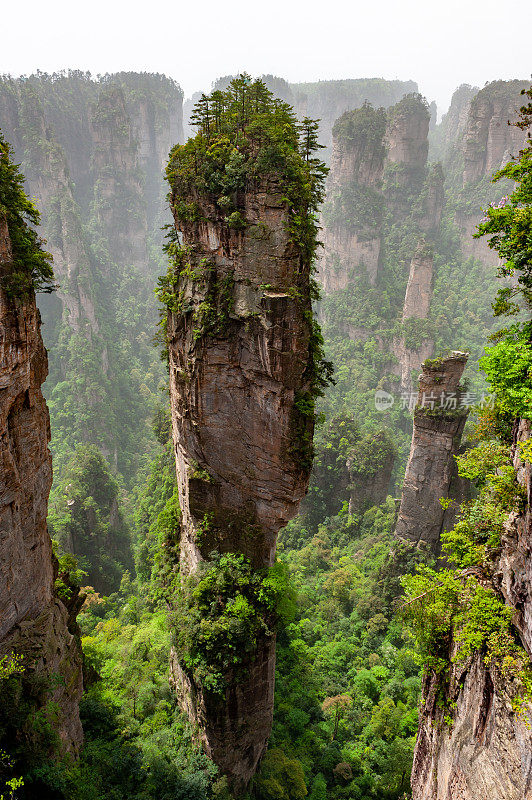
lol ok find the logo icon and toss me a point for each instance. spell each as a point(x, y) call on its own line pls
point(383, 400)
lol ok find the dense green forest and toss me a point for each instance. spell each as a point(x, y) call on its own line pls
point(349, 665)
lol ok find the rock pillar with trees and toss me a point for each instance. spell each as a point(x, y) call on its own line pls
point(246, 364)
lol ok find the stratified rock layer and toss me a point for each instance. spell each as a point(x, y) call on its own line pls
point(486, 753)
point(33, 621)
point(439, 421)
point(239, 361)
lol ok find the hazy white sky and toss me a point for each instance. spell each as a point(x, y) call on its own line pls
point(438, 43)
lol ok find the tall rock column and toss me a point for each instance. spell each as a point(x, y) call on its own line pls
point(34, 622)
point(439, 421)
point(414, 346)
point(242, 356)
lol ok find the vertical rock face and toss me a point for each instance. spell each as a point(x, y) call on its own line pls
point(407, 149)
point(485, 754)
point(34, 622)
point(378, 170)
point(439, 421)
point(418, 296)
point(239, 366)
point(407, 134)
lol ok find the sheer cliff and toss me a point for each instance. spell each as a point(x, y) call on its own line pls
point(244, 371)
point(37, 626)
point(471, 616)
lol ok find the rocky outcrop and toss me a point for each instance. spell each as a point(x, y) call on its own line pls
point(446, 136)
point(414, 347)
point(34, 622)
point(439, 420)
point(407, 149)
point(407, 134)
point(239, 373)
point(117, 187)
point(485, 753)
point(328, 100)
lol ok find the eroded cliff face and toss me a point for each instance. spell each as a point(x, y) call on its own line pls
point(379, 183)
point(239, 367)
point(34, 622)
point(486, 753)
point(116, 159)
point(439, 420)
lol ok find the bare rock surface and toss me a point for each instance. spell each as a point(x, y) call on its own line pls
point(416, 306)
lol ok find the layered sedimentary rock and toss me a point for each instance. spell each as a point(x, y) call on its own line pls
point(239, 369)
point(488, 141)
point(439, 420)
point(34, 622)
point(413, 348)
point(485, 753)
